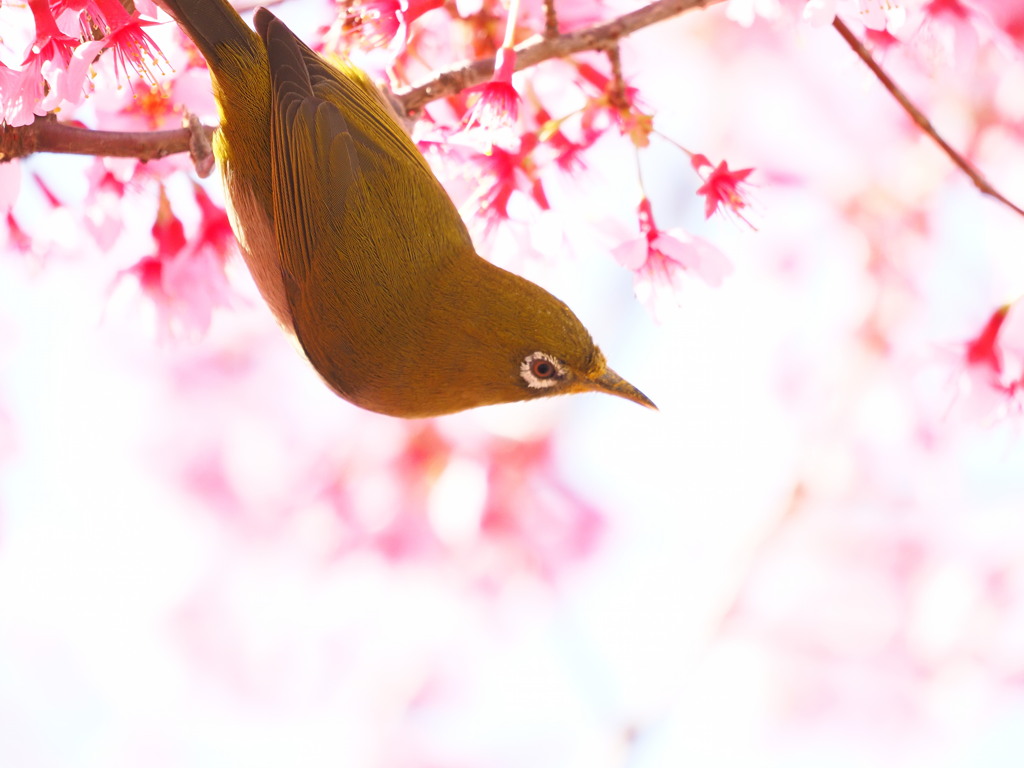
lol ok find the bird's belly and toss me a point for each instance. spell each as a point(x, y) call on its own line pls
point(257, 241)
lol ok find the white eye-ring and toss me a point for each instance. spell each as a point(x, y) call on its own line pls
point(541, 371)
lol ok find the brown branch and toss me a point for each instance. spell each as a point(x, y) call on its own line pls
point(538, 49)
point(617, 92)
point(550, 19)
point(47, 135)
point(918, 117)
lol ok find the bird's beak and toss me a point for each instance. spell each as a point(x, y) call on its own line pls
point(613, 384)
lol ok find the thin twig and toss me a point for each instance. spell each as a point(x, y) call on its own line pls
point(918, 117)
point(550, 19)
point(539, 48)
point(617, 93)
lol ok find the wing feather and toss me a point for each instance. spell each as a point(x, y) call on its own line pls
point(313, 163)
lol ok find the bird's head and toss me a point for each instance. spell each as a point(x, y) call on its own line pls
point(499, 338)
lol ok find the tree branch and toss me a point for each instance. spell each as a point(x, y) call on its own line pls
point(918, 117)
point(540, 48)
point(48, 135)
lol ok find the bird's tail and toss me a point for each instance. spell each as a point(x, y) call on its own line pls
point(214, 26)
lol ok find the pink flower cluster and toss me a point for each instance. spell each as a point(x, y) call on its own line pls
point(49, 69)
point(660, 259)
point(184, 278)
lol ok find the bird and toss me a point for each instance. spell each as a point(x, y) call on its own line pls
point(356, 246)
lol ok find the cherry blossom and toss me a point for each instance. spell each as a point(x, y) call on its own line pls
point(722, 187)
point(129, 43)
point(495, 104)
point(616, 104)
point(568, 153)
point(660, 261)
point(184, 281)
point(376, 23)
point(499, 174)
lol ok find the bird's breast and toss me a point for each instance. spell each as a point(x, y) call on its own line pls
point(257, 240)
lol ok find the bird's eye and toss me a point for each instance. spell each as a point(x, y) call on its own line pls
point(541, 371)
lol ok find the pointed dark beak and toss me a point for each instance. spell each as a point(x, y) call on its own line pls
point(613, 384)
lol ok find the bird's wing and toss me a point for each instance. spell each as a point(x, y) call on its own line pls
point(313, 161)
point(372, 118)
point(404, 192)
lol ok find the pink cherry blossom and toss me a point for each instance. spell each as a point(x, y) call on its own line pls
point(133, 48)
point(184, 280)
point(499, 174)
point(369, 24)
point(495, 104)
point(989, 368)
point(660, 261)
point(568, 153)
point(722, 187)
point(615, 104)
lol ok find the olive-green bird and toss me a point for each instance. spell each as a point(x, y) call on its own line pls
point(356, 246)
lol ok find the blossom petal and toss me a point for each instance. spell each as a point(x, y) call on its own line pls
point(631, 254)
point(696, 254)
